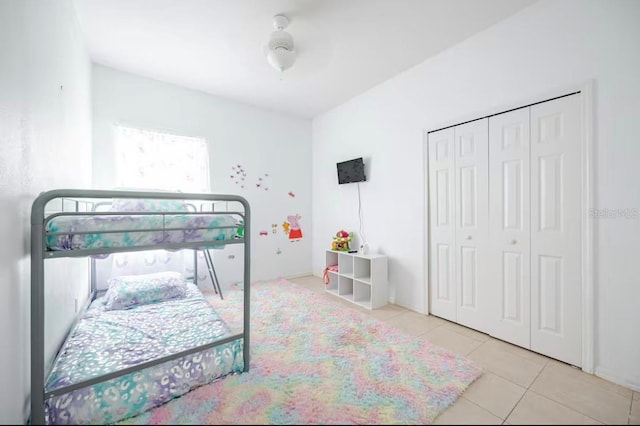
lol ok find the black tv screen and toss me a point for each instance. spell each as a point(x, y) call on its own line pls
point(351, 171)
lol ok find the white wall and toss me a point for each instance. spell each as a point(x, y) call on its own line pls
point(262, 142)
point(542, 51)
point(45, 131)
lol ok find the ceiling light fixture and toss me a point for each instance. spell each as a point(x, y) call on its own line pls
point(280, 52)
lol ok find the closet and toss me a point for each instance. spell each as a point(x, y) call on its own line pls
point(505, 226)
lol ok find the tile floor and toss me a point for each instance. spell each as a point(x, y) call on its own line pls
point(518, 386)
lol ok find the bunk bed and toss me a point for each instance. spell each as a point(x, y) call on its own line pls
point(119, 359)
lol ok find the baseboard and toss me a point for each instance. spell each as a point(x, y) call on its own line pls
point(285, 277)
point(608, 375)
point(408, 308)
point(306, 274)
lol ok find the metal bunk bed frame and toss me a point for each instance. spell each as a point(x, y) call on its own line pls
point(39, 253)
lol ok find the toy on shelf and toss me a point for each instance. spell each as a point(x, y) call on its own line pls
point(325, 273)
point(341, 240)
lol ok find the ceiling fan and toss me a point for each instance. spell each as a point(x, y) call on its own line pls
point(280, 49)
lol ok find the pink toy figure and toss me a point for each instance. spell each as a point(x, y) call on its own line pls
point(294, 232)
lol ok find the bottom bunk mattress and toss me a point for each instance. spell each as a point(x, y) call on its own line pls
point(105, 341)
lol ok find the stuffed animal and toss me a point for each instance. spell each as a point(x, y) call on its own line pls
point(341, 240)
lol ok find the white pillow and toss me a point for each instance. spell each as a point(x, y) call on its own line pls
point(129, 291)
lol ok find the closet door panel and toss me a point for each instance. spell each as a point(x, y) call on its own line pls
point(509, 227)
point(441, 160)
point(556, 293)
point(471, 207)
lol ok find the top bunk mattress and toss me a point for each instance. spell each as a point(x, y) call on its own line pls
point(130, 230)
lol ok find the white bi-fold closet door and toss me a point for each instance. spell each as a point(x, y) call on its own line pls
point(556, 224)
point(458, 178)
point(504, 225)
point(509, 227)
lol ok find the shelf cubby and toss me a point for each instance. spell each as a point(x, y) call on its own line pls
point(345, 287)
point(361, 279)
point(333, 282)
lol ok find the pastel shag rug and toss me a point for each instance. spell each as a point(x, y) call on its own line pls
point(316, 361)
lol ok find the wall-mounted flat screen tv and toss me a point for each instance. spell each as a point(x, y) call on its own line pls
point(351, 171)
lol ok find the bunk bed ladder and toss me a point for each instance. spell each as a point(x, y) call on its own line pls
point(212, 272)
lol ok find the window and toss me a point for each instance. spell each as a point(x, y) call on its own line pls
point(152, 160)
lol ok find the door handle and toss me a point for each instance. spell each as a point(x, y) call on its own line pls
point(512, 242)
point(468, 237)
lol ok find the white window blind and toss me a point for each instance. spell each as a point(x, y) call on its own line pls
point(153, 160)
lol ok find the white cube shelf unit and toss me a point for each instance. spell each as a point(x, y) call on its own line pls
point(361, 278)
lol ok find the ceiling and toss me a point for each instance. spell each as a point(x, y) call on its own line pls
point(217, 46)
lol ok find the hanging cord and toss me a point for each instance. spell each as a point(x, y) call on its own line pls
point(364, 238)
